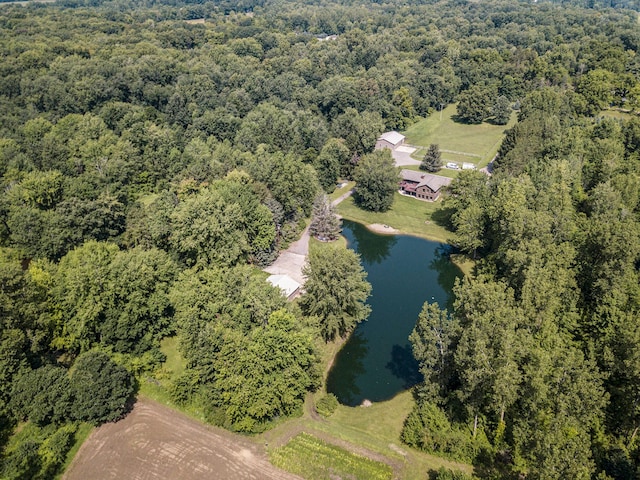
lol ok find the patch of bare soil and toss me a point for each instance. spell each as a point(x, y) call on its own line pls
point(155, 442)
point(383, 229)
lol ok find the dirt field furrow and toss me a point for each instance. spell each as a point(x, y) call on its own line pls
point(155, 442)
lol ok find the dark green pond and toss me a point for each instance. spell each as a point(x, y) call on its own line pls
point(376, 362)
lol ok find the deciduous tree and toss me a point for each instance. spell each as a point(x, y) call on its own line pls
point(266, 375)
point(376, 181)
point(474, 104)
point(101, 389)
point(335, 291)
point(501, 110)
point(432, 342)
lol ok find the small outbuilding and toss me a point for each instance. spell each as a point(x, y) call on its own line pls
point(390, 140)
point(289, 287)
point(423, 186)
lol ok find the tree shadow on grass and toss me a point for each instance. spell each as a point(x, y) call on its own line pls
point(458, 119)
point(442, 217)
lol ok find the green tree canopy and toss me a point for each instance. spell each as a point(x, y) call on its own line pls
point(376, 181)
point(332, 163)
point(501, 110)
point(42, 395)
point(325, 224)
point(432, 161)
point(111, 297)
point(207, 229)
point(474, 104)
point(268, 374)
point(102, 390)
point(335, 290)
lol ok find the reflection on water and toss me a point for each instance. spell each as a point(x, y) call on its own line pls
point(345, 378)
point(376, 362)
point(404, 366)
point(372, 252)
point(447, 272)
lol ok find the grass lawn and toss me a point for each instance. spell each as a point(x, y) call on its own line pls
point(158, 387)
point(315, 244)
point(175, 364)
point(408, 215)
point(481, 140)
point(376, 428)
point(443, 172)
point(340, 191)
point(148, 199)
point(464, 263)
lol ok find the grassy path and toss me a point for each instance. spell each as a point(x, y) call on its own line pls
point(372, 432)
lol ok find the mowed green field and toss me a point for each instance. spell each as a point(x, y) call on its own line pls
point(481, 142)
point(410, 216)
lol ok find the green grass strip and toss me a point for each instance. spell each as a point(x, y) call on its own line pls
point(313, 459)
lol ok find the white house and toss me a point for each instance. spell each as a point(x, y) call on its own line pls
point(390, 140)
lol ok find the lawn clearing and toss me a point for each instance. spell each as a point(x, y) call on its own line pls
point(618, 114)
point(482, 140)
point(443, 172)
point(410, 216)
point(158, 386)
point(175, 363)
point(447, 157)
point(375, 429)
point(313, 459)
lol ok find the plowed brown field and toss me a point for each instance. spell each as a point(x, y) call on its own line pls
point(155, 442)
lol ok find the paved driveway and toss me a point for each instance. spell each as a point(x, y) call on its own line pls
point(291, 260)
point(402, 156)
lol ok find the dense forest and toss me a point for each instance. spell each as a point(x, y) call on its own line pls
point(151, 162)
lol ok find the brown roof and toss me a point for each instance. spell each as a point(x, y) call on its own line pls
point(434, 182)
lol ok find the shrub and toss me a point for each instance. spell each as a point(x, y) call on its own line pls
point(36, 452)
point(427, 428)
point(327, 405)
point(446, 474)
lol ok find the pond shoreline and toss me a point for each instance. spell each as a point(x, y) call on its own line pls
point(383, 229)
point(396, 231)
point(375, 362)
point(460, 260)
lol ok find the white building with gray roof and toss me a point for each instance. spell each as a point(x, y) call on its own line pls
point(390, 140)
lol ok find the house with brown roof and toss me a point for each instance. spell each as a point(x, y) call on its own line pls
point(421, 185)
point(390, 140)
